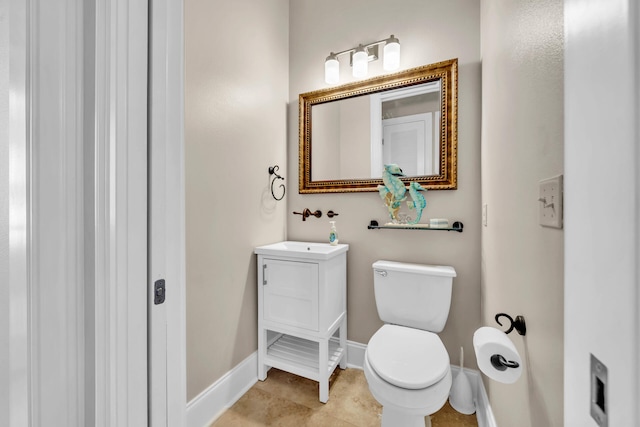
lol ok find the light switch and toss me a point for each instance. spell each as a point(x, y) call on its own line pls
point(550, 202)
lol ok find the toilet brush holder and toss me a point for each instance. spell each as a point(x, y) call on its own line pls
point(461, 395)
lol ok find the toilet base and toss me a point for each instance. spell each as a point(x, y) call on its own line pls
point(394, 418)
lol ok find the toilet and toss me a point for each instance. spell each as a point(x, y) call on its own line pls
point(406, 365)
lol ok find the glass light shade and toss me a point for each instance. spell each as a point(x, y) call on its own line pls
point(332, 69)
point(391, 59)
point(360, 63)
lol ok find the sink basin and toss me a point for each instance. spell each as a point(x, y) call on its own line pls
point(305, 250)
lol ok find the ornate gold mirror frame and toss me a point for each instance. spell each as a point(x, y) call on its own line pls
point(446, 72)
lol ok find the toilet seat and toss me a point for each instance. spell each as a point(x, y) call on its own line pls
point(409, 358)
point(421, 402)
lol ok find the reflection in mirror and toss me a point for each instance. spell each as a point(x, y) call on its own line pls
point(341, 133)
point(409, 118)
point(406, 130)
point(399, 126)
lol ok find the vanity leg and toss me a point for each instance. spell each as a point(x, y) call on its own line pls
point(262, 349)
point(343, 343)
point(323, 366)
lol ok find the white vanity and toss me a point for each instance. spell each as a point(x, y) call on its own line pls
point(302, 310)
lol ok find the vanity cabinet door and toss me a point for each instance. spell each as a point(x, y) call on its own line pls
point(290, 293)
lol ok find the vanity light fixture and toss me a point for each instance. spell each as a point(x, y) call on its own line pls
point(332, 69)
point(391, 54)
point(360, 63)
point(360, 58)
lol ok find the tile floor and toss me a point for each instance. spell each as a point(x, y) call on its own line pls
point(287, 400)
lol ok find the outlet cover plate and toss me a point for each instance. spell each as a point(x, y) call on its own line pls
point(550, 202)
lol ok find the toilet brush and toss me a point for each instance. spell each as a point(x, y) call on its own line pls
point(460, 396)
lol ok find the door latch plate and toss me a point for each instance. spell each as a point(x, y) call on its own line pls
point(159, 292)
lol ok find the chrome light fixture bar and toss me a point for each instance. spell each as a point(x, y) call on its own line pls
point(360, 58)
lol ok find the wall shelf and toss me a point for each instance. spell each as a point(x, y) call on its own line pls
point(373, 225)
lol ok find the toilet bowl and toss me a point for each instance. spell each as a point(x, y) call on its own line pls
point(406, 364)
point(409, 374)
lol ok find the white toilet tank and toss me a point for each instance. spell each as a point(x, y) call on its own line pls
point(414, 295)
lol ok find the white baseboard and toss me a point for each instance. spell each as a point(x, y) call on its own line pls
point(355, 354)
point(206, 407)
point(212, 402)
point(484, 413)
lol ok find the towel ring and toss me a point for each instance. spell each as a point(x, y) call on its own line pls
point(272, 171)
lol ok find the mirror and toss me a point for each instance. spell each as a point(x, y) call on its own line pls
point(347, 133)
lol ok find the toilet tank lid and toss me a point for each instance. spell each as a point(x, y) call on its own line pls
point(433, 270)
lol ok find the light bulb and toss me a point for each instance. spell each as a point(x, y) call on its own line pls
point(332, 69)
point(360, 63)
point(391, 54)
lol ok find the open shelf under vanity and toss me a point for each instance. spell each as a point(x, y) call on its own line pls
point(301, 356)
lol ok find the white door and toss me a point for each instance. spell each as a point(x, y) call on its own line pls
point(73, 213)
point(601, 292)
point(167, 343)
point(408, 142)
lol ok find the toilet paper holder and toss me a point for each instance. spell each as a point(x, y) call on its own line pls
point(518, 324)
point(497, 360)
point(501, 364)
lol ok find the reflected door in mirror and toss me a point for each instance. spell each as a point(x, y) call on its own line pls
point(409, 142)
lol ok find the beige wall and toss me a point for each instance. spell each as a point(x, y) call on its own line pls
point(235, 116)
point(522, 143)
point(236, 126)
point(429, 31)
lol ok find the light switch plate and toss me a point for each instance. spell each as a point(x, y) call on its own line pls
point(550, 202)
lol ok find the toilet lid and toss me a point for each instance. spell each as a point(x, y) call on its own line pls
point(408, 358)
